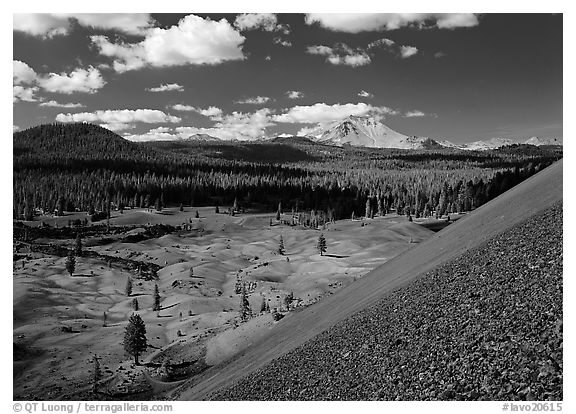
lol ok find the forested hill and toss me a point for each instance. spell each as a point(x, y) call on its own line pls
point(85, 167)
point(74, 140)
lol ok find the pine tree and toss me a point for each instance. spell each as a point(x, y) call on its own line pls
point(245, 311)
point(197, 215)
point(321, 245)
point(217, 209)
point(281, 246)
point(128, 288)
point(104, 317)
point(78, 249)
point(70, 262)
point(97, 375)
point(368, 213)
point(181, 207)
point(135, 304)
point(263, 305)
point(135, 337)
point(156, 306)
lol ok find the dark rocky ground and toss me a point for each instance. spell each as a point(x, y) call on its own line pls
point(485, 326)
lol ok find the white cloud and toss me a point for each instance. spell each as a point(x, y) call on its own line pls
point(22, 73)
point(120, 119)
point(23, 93)
point(194, 41)
point(355, 60)
point(367, 22)
point(79, 80)
point(260, 21)
point(118, 126)
point(365, 94)
point(381, 42)
point(392, 47)
point(321, 112)
point(55, 104)
point(26, 82)
point(23, 77)
point(44, 25)
point(48, 25)
point(258, 100)
point(319, 50)
point(238, 125)
point(282, 42)
point(439, 55)
point(295, 94)
point(414, 114)
point(15, 128)
point(407, 51)
point(341, 54)
point(167, 87)
point(212, 112)
point(255, 21)
point(313, 130)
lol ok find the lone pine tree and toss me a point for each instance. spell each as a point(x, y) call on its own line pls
point(78, 249)
point(245, 311)
point(128, 288)
point(281, 246)
point(135, 337)
point(70, 262)
point(135, 305)
point(321, 245)
point(97, 374)
point(156, 306)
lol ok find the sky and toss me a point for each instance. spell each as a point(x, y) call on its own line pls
point(461, 77)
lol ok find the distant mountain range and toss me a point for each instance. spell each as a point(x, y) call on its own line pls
point(371, 133)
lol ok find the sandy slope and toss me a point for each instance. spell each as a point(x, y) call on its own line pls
point(199, 316)
point(536, 193)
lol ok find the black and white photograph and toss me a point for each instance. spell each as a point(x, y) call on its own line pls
point(290, 206)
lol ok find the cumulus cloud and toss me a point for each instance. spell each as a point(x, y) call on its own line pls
point(23, 93)
point(365, 94)
point(166, 88)
point(439, 55)
point(260, 21)
point(79, 80)
point(282, 42)
point(392, 47)
point(341, 54)
point(26, 82)
point(55, 104)
point(212, 112)
point(48, 25)
point(321, 112)
point(367, 22)
point(238, 125)
point(23, 79)
point(193, 41)
point(407, 51)
point(15, 128)
point(414, 114)
point(255, 21)
point(295, 94)
point(22, 73)
point(381, 42)
point(258, 100)
point(122, 119)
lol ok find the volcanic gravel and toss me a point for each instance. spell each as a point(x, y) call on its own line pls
point(485, 326)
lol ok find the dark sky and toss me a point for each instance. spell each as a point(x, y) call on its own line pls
point(496, 75)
